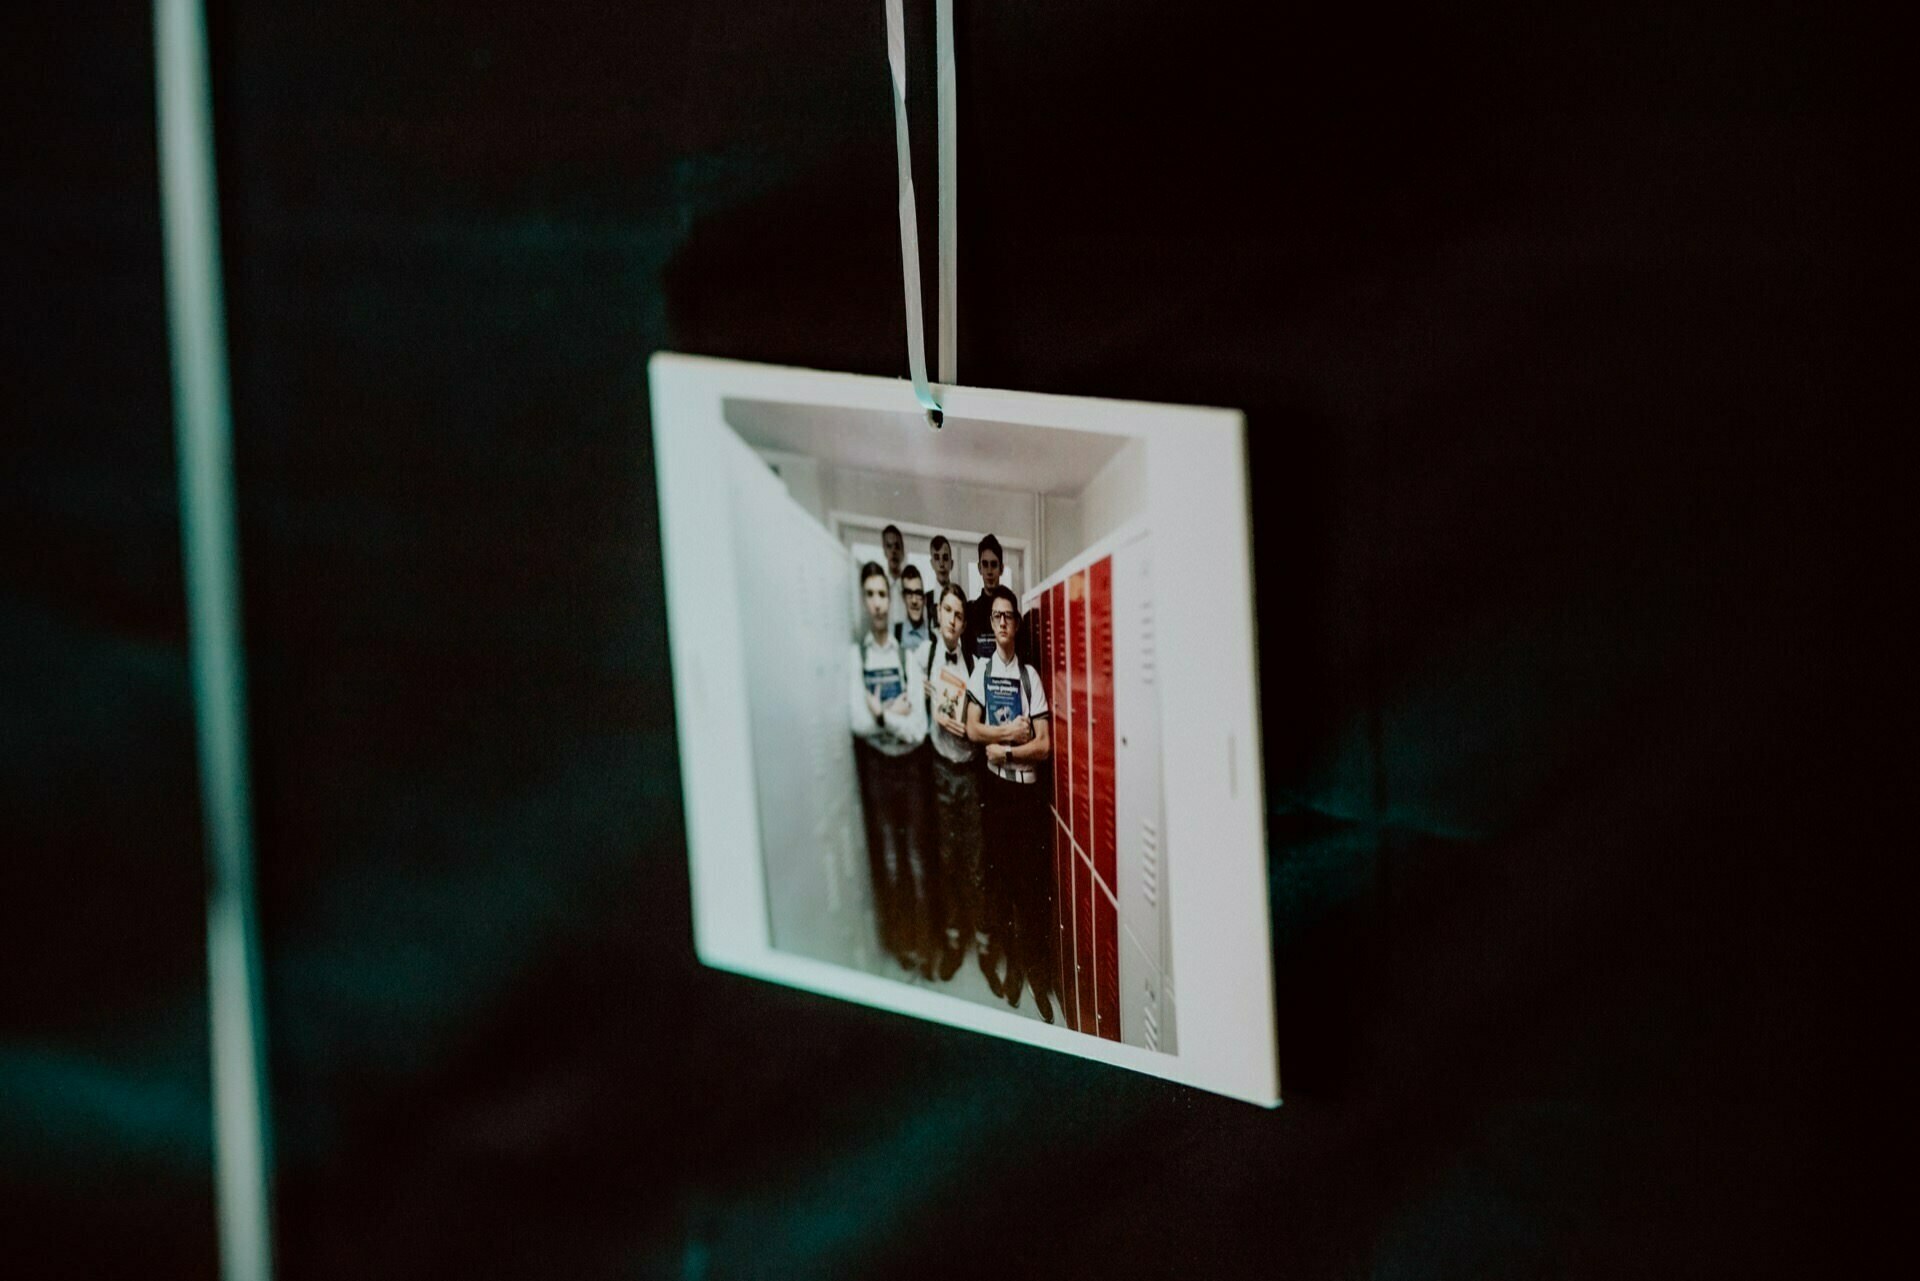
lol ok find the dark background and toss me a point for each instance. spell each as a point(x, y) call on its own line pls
point(1546, 324)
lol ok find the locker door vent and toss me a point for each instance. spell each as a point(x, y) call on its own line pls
point(1150, 1020)
point(1146, 639)
point(1149, 862)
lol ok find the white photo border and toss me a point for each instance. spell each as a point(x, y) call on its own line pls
point(1198, 510)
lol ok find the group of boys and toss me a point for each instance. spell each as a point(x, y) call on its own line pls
point(950, 730)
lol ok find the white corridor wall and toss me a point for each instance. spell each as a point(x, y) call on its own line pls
point(795, 585)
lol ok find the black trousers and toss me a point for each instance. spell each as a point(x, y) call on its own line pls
point(894, 804)
point(1018, 854)
point(959, 880)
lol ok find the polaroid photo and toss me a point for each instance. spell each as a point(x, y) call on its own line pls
point(968, 718)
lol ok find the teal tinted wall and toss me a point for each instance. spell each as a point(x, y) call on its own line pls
point(1542, 324)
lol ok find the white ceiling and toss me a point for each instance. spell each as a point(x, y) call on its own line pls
point(1042, 460)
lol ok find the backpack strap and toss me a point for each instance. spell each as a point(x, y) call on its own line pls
point(1026, 684)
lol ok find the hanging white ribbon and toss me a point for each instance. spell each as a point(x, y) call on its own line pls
point(203, 431)
point(909, 220)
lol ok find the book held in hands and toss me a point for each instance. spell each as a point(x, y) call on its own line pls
point(1003, 699)
point(885, 683)
point(950, 693)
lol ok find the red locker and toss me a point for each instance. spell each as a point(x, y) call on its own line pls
point(1064, 978)
point(1062, 715)
point(1059, 698)
point(1086, 959)
point(1082, 821)
point(1042, 634)
point(1068, 978)
point(1100, 704)
point(1062, 923)
point(1106, 978)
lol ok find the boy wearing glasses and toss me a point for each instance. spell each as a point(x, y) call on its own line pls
point(915, 629)
point(1007, 715)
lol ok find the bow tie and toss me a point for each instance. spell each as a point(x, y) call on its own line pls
point(953, 656)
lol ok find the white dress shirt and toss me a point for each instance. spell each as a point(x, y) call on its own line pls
point(1029, 698)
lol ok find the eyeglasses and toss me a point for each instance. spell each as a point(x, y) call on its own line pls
point(1003, 617)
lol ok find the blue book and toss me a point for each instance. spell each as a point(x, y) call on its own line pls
point(1003, 699)
point(885, 683)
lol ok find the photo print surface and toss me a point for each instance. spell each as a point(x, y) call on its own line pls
point(926, 704)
